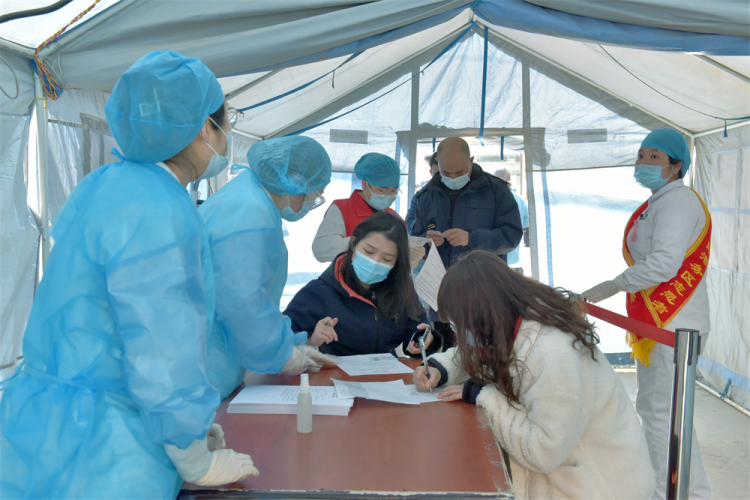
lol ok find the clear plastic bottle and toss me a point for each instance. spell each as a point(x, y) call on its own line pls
point(304, 405)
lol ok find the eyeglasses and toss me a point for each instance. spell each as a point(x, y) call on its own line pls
point(314, 199)
point(233, 115)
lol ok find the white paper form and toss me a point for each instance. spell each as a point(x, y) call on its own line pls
point(429, 278)
point(372, 364)
point(418, 241)
point(392, 392)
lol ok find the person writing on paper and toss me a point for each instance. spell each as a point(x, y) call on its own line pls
point(667, 247)
point(526, 354)
point(366, 296)
point(380, 176)
point(285, 180)
point(113, 399)
point(463, 209)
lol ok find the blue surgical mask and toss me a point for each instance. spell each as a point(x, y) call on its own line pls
point(649, 176)
point(369, 271)
point(380, 201)
point(288, 214)
point(218, 162)
point(457, 183)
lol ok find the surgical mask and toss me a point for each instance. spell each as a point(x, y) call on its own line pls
point(380, 201)
point(649, 176)
point(457, 183)
point(288, 214)
point(218, 162)
point(369, 271)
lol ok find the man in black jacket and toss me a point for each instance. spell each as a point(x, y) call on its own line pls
point(463, 209)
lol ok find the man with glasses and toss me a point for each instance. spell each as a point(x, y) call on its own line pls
point(380, 176)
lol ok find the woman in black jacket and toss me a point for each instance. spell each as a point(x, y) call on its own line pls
point(365, 302)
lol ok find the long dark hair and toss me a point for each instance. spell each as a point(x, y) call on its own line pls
point(482, 295)
point(396, 295)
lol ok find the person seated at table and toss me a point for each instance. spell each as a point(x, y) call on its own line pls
point(380, 176)
point(365, 302)
point(527, 355)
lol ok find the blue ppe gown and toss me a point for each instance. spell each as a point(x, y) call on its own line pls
point(115, 345)
point(250, 268)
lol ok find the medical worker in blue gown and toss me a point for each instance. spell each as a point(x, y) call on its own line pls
point(113, 399)
point(285, 180)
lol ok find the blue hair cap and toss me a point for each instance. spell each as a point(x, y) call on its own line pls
point(669, 141)
point(159, 105)
point(290, 165)
point(379, 170)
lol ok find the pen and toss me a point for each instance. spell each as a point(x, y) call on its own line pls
point(424, 356)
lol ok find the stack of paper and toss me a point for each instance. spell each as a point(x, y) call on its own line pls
point(282, 400)
point(392, 392)
point(372, 364)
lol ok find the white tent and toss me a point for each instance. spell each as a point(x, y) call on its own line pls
point(574, 94)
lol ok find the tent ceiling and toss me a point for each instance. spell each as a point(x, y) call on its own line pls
point(275, 47)
point(699, 16)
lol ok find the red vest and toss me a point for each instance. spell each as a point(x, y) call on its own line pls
point(355, 209)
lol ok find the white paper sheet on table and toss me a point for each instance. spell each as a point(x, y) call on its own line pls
point(418, 241)
point(393, 392)
point(427, 282)
point(372, 364)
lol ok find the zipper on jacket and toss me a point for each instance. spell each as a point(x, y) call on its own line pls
point(376, 309)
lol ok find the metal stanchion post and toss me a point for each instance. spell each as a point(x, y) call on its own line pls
point(683, 399)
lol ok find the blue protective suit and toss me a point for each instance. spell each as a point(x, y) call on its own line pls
point(250, 269)
point(115, 345)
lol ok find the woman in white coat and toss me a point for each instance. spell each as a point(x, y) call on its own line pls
point(526, 354)
point(666, 244)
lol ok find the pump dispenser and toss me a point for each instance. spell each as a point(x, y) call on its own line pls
point(304, 405)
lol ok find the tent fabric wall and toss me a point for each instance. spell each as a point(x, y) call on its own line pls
point(19, 235)
point(723, 180)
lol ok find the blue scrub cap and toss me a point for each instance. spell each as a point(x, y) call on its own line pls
point(159, 105)
point(290, 165)
point(671, 142)
point(379, 170)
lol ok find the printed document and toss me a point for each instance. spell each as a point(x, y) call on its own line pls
point(392, 392)
point(372, 364)
point(429, 278)
point(418, 241)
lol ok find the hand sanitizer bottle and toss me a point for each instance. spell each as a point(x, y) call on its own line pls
point(304, 405)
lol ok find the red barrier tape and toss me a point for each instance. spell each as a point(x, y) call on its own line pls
point(632, 325)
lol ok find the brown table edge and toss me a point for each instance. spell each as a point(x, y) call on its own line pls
point(319, 494)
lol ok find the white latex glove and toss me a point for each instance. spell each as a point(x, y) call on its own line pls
point(604, 290)
point(306, 358)
point(415, 255)
point(215, 438)
point(196, 464)
point(228, 466)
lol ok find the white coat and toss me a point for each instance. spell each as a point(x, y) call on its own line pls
point(575, 434)
point(673, 221)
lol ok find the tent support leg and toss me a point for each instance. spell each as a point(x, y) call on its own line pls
point(42, 156)
point(529, 144)
point(414, 134)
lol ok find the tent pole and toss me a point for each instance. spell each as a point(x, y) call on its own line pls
point(528, 147)
point(413, 134)
point(42, 157)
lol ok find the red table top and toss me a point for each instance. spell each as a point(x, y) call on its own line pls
point(380, 447)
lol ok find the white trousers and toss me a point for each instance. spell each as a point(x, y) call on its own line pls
point(653, 402)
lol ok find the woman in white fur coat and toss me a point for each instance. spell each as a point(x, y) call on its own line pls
point(526, 354)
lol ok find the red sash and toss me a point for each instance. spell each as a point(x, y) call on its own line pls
point(660, 304)
point(355, 209)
